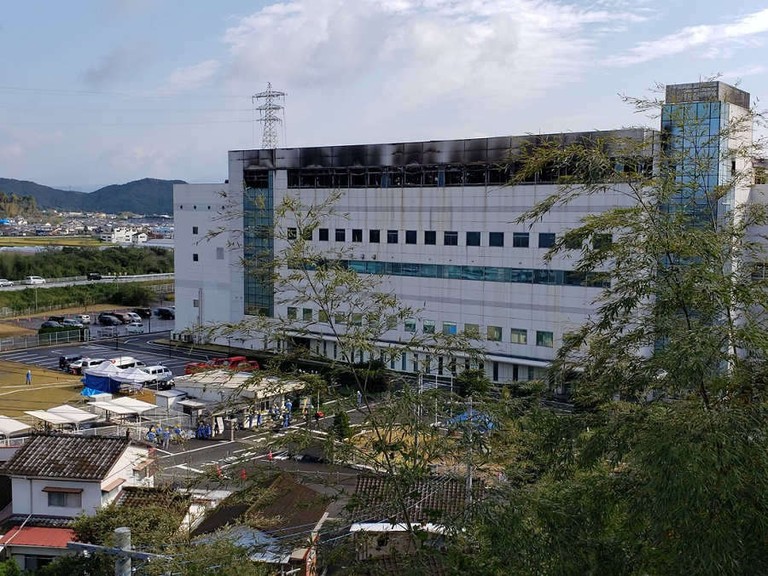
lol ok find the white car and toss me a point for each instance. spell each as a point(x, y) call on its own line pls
point(73, 322)
point(34, 280)
point(135, 328)
point(83, 318)
point(5, 283)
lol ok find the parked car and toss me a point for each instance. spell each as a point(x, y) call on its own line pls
point(135, 328)
point(133, 316)
point(51, 324)
point(122, 316)
point(66, 360)
point(165, 313)
point(127, 362)
point(72, 322)
point(109, 320)
point(143, 312)
point(83, 318)
point(59, 319)
point(5, 283)
point(163, 377)
point(78, 366)
point(34, 280)
point(94, 276)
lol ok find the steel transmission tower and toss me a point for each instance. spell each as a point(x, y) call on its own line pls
point(270, 107)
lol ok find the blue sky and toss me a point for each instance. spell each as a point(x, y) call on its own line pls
point(98, 92)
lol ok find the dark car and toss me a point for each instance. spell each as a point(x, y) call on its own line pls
point(109, 320)
point(58, 319)
point(165, 313)
point(51, 324)
point(122, 316)
point(94, 276)
point(143, 312)
point(66, 360)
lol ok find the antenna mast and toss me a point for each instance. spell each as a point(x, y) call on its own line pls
point(269, 114)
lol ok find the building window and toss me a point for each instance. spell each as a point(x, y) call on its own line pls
point(430, 237)
point(410, 325)
point(573, 241)
point(341, 235)
point(429, 327)
point(493, 333)
point(374, 236)
point(322, 234)
point(472, 330)
point(449, 328)
point(340, 319)
point(195, 257)
point(544, 339)
point(219, 253)
point(391, 236)
point(473, 238)
point(546, 239)
point(64, 499)
point(496, 239)
point(410, 236)
point(518, 336)
point(306, 314)
point(194, 229)
point(357, 319)
point(520, 240)
point(292, 313)
point(357, 235)
point(322, 316)
point(602, 241)
point(292, 235)
point(195, 303)
point(451, 238)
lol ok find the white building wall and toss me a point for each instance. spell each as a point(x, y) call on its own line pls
point(209, 290)
point(29, 498)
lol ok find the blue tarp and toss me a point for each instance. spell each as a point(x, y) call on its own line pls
point(480, 420)
point(100, 384)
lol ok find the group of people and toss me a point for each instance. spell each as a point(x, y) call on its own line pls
point(205, 431)
point(162, 436)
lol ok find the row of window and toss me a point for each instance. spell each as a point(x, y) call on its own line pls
point(219, 255)
point(492, 333)
point(429, 237)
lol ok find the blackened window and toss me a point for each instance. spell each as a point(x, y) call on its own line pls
point(391, 236)
point(341, 235)
point(473, 238)
point(430, 237)
point(292, 234)
point(194, 229)
point(323, 234)
point(520, 239)
point(357, 235)
point(195, 257)
point(496, 239)
point(451, 238)
point(546, 239)
point(410, 236)
point(374, 236)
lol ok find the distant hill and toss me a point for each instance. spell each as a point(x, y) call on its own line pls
point(146, 196)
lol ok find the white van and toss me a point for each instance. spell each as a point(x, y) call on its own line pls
point(34, 280)
point(127, 362)
point(163, 377)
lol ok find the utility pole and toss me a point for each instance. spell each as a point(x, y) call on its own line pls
point(269, 114)
point(122, 550)
point(123, 542)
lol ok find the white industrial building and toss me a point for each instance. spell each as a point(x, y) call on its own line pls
point(434, 220)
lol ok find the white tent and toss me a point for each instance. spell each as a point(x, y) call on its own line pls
point(10, 426)
point(105, 370)
point(132, 375)
point(107, 406)
point(75, 415)
point(138, 406)
point(50, 417)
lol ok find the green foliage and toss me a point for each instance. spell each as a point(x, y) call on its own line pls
point(473, 383)
point(374, 374)
point(340, 425)
point(9, 568)
point(12, 206)
point(95, 565)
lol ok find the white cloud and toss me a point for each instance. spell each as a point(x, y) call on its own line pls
point(191, 77)
point(711, 39)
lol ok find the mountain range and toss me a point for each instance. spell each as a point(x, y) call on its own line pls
point(146, 196)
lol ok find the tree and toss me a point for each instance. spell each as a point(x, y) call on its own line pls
point(662, 468)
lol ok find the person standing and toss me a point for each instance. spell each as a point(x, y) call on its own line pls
point(29, 377)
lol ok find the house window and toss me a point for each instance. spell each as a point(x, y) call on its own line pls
point(410, 325)
point(472, 330)
point(429, 327)
point(292, 312)
point(292, 235)
point(64, 499)
point(601, 241)
point(195, 303)
point(357, 319)
point(449, 328)
point(322, 316)
point(473, 238)
point(410, 236)
point(451, 238)
point(520, 240)
point(374, 236)
point(306, 314)
point(496, 239)
point(493, 333)
point(194, 229)
point(219, 253)
point(430, 237)
point(391, 236)
point(195, 257)
point(322, 234)
point(544, 339)
point(546, 239)
point(341, 235)
point(518, 336)
point(357, 235)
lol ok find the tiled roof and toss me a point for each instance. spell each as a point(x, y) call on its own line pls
point(141, 497)
point(39, 521)
point(66, 457)
point(37, 536)
point(432, 499)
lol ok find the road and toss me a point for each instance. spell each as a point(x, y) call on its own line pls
point(75, 280)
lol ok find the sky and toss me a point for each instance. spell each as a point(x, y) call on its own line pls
point(99, 92)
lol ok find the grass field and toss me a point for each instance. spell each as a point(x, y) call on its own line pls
point(49, 388)
point(31, 241)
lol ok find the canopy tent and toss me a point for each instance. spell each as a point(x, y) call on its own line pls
point(138, 406)
point(49, 417)
point(75, 415)
point(107, 406)
point(132, 378)
point(10, 426)
point(100, 379)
